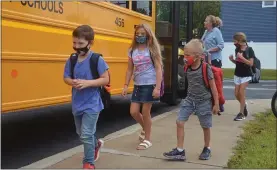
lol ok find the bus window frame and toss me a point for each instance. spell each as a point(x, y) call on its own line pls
point(128, 5)
point(152, 6)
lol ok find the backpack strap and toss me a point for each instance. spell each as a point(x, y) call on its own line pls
point(94, 66)
point(247, 52)
point(73, 60)
point(131, 53)
point(205, 74)
point(252, 68)
point(186, 68)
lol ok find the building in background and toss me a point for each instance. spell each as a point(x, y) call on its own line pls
point(257, 19)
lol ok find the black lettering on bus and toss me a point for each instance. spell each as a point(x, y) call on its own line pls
point(50, 5)
point(43, 7)
point(23, 2)
point(30, 4)
point(61, 7)
point(37, 4)
point(55, 7)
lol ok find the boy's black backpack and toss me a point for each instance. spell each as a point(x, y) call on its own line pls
point(104, 90)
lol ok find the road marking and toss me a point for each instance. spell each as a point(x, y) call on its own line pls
point(249, 88)
point(269, 85)
point(52, 160)
point(261, 81)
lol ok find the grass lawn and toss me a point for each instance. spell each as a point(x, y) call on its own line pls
point(257, 147)
point(267, 74)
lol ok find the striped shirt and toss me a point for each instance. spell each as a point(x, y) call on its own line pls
point(197, 90)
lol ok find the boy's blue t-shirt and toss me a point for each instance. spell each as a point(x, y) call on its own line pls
point(87, 100)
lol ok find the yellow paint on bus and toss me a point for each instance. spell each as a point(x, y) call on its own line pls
point(37, 41)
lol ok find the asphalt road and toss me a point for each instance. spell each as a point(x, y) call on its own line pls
point(31, 136)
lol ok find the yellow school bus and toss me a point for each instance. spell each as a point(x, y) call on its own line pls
point(37, 41)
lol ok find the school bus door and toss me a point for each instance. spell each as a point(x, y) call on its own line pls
point(172, 18)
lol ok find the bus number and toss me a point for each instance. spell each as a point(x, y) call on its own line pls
point(119, 22)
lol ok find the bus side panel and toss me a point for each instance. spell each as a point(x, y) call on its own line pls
point(36, 44)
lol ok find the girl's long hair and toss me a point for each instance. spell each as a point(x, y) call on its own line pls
point(152, 43)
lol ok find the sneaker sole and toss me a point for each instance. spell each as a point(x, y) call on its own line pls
point(205, 158)
point(102, 144)
point(239, 119)
point(178, 157)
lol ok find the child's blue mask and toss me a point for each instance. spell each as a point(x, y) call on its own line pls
point(141, 39)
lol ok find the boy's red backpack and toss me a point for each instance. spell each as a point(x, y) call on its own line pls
point(218, 77)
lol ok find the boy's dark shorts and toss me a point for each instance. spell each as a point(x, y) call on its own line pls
point(143, 94)
point(202, 109)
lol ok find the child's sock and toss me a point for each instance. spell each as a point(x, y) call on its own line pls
point(180, 150)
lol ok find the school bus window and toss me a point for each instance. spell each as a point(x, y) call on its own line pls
point(143, 7)
point(124, 4)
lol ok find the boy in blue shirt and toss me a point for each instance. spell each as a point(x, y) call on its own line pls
point(86, 99)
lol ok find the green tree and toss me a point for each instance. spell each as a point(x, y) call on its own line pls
point(163, 10)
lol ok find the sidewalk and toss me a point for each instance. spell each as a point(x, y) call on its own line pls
point(120, 149)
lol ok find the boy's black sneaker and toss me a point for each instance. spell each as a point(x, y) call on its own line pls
point(175, 155)
point(239, 117)
point(245, 111)
point(206, 154)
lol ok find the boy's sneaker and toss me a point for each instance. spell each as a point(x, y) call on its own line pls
point(206, 154)
point(88, 166)
point(239, 117)
point(175, 155)
point(245, 111)
point(97, 149)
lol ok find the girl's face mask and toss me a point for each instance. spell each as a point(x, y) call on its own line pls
point(141, 39)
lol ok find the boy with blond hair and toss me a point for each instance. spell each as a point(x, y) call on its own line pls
point(198, 100)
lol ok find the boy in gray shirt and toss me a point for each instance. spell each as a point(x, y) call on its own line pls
point(198, 100)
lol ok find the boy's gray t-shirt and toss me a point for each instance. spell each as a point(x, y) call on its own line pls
point(197, 90)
